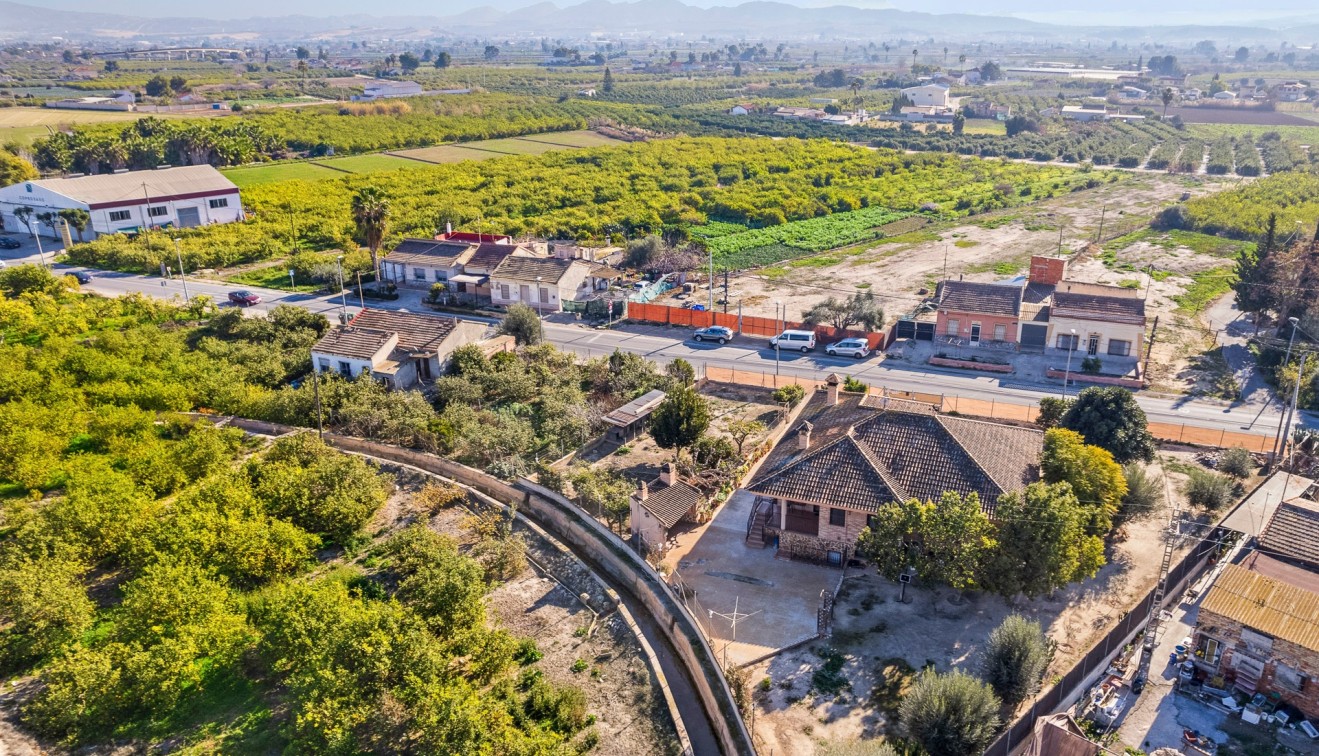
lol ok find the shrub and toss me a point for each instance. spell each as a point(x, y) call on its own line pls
point(1210, 490)
point(789, 395)
point(1016, 657)
point(855, 386)
point(1052, 410)
point(1237, 462)
point(950, 715)
point(1091, 365)
point(1144, 493)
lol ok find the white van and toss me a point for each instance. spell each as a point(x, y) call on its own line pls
point(801, 340)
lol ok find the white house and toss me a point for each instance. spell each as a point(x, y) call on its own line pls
point(399, 348)
point(128, 201)
point(742, 108)
point(543, 282)
point(1132, 93)
point(121, 101)
point(1291, 91)
point(1225, 95)
point(1096, 321)
point(927, 95)
point(380, 89)
point(1083, 113)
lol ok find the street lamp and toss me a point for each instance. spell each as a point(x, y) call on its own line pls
point(540, 311)
point(179, 253)
point(1067, 374)
point(343, 294)
point(1282, 421)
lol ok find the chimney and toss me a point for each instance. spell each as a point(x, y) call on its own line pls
point(804, 436)
point(832, 382)
point(669, 474)
point(643, 491)
point(448, 228)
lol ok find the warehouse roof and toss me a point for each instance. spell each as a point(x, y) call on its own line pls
point(136, 187)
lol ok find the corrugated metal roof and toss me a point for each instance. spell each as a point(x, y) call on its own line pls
point(1266, 604)
point(159, 184)
point(636, 409)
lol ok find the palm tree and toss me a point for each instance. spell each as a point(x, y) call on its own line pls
point(856, 83)
point(371, 215)
point(302, 70)
point(913, 59)
point(1167, 100)
point(945, 56)
point(961, 59)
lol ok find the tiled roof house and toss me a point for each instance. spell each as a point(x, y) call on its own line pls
point(976, 312)
point(659, 505)
point(398, 348)
point(854, 453)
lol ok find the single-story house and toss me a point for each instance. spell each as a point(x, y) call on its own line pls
point(808, 113)
point(543, 282)
point(1132, 93)
point(743, 108)
point(128, 201)
point(853, 453)
point(1060, 735)
point(424, 262)
point(976, 312)
point(629, 421)
point(928, 95)
point(1096, 320)
point(1084, 113)
point(659, 505)
point(1291, 91)
point(399, 348)
point(381, 89)
point(1225, 96)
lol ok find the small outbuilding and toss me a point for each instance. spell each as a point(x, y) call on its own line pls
point(629, 421)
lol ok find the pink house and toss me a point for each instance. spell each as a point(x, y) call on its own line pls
point(978, 312)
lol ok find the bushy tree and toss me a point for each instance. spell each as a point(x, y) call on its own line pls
point(435, 579)
point(1111, 419)
point(1042, 541)
point(1210, 490)
point(1051, 412)
point(317, 488)
point(522, 323)
point(1095, 478)
point(1144, 495)
point(947, 542)
point(680, 372)
point(15, 170)
point(789, 395)
point(680, 419)
point(1016, 657)
point(952, 714)
point(46, 605)
point(741, 430)
point(1237, 462)
point(860, 309)
point(603, 493)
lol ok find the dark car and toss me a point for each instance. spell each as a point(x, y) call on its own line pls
point(243, 297)
point(7, 243)
point(83, 277)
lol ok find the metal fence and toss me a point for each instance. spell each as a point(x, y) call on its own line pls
point(1075, 680)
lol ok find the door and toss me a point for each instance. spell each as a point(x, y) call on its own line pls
point(1034, 335)
point(975, 333)
point(189, 217)
point(1092, 346)
point(525, 292)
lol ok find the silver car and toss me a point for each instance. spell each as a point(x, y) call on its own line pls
point(714, 333)
point(858, 348)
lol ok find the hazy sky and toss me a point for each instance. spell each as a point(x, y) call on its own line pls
point(1125, 12)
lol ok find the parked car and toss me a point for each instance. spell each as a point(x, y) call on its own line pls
point(8, 243)
point(858, 348)
point(714, 333)
point(244, 297)
point(83, 277)
point(800, 340)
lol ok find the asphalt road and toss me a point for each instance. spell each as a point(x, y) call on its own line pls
point(748, 354)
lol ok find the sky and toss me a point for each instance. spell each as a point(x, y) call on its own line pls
point(1124, 12)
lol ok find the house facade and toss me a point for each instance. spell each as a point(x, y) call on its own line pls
point(128, 201)
point(399, 348)
point(382, 89)
point(853, 453)
point(657, 506)
point(544, 283)
point(425, 262)
point(973, 313)
point(1093, 320)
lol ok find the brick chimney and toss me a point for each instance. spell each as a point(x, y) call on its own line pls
point(1047, 270)
point(643, 492)
point(833, 383)
point(804, 436)
point(669, 474)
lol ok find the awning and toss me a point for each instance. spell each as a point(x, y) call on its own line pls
point(465, 278)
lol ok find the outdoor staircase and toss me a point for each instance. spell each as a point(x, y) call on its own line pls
point(759, 519)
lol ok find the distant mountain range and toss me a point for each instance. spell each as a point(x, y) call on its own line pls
point(656, 18)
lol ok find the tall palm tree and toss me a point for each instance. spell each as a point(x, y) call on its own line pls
point(913, 59)
point(371, 215)
point(1167, 96)
point(856, 83)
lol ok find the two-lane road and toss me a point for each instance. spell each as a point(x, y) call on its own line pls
point(743, 353)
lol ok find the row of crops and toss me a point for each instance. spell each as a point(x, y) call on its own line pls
point(738, 247)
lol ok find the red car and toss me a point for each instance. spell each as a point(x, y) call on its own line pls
point(244, 297)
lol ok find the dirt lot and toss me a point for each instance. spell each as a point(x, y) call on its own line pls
point(902, 270)
point(849, 686)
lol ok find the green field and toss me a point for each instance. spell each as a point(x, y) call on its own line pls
point(271, 277)
point(572, 139)
point(986, 126)
point(23, 125)
point(446, 153)
point(270, 174)
point(1302, 134)
point(369, 163)
point(513, 146)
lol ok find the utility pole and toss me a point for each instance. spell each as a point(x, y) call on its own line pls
point(1296, 395)
point(1277, 440)
point(1149, 349)
point(725, 291)
point(360, 298)
point(1099, 239)
point(182, 277)
point(316, 391)
point(711, 307)
point(945, 261)
point(343, 294)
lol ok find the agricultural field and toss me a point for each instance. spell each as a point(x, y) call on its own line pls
point(1243, 212)
point(514, 146)
point(447, 153)
point(248, 177)
point(579, 139)
point(1302, 134)
point(633, 189)
point(765, 246)
point(368, 163)
point(25, 125)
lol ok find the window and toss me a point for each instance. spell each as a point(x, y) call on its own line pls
point(1289, 678)
point(954, 327)
point(345, 369)
point(871, 521)
point(117, 216)
point(419, 274)
point(323, 365)
point(216, 204)
point(1119, 348)
point(1000, 332)
point(837, 516)
point(158, 211)
point(1209, 651)
point(1068, 341)
point(441, 277)
point(503, 291)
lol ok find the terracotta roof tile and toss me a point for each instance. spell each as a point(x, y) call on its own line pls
point(416, 332)
point(1103, 308)
point(1293, 533)
point(671, 503)
point(359, 343)
point(984, 298)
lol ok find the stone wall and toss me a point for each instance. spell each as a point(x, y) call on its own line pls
point(1283, 653)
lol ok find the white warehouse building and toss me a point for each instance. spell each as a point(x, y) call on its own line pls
point(128, 201)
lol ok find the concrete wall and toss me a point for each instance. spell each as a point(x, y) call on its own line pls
point(1228, 632)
